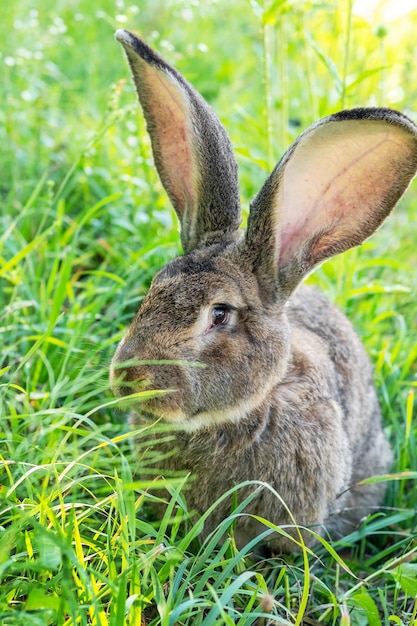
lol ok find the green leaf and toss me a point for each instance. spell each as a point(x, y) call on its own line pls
point(406, 576)
point(386, 477)
point(362, 602)
point(38, 600)
point(50, 554)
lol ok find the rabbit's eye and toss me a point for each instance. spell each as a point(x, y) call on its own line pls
point(219, 316)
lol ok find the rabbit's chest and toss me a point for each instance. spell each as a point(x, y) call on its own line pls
point(293, 455)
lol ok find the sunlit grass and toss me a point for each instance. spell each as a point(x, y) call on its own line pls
point(84, 226)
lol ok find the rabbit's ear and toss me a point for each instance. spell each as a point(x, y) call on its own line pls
point(192, 150)
point(331, 190)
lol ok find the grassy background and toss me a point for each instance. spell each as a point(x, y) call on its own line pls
point(84, 224)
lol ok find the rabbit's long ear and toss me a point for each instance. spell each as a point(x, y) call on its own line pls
point(192, 150)
point(331, 190)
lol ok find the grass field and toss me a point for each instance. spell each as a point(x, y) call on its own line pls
point(84, 224)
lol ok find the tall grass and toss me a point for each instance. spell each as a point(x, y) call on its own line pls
point(84, 226)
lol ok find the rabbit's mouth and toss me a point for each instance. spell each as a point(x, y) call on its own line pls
point(152, 416)
point(165, 405)
point(174, 417)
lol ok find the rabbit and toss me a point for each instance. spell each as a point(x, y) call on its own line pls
point(284, 393)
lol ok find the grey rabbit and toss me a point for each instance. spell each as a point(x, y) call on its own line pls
point(286, 394)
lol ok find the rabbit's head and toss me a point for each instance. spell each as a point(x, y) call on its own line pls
point(207, 315)
point(212, 329)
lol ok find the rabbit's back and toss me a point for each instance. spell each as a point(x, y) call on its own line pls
point(309, 311)
point(354, 388)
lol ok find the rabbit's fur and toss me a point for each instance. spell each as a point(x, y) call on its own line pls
point(286, 393)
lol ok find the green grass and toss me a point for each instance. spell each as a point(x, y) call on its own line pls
point(84, 224)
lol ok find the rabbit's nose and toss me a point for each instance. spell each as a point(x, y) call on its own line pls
point(127, 379)
point(132, 383)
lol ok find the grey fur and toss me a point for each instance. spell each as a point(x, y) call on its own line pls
point(286, 395)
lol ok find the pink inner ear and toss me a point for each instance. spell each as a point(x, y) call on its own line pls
point(335, 182)
point(172, 135)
